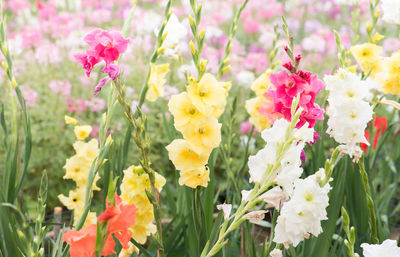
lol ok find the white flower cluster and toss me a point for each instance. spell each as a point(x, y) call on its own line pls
point(349, 112)
point(388, 248)
point(391, 11)
point(290, 162)
point(303, 213)
point(306, 200)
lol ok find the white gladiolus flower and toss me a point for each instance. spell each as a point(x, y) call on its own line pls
point(290, 162)
point(176, 32)
point(346, 86)
point(255, 216)
point(391, 11)
point(302, 214)
point(277, 133)
point(245, 195)
point(273, 197)
point(276, 253)
point(226, 208)
point(388, 248)
point(258, 164)
point(349, 112)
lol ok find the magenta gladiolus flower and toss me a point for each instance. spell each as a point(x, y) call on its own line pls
point(112, 70)
point(101, 84)
point(87, 61)
point(288, 86)
point(106, 45)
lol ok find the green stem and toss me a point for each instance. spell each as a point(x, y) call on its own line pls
point(370, 202)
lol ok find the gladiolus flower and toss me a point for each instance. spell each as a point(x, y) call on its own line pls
point(120, 217)
point(83, 242)
point(106, 45)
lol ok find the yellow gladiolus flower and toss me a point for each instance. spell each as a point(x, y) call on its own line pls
point(129, 251)
point(75, 200)
point(156, 81)
point(91, 218)
point(389, 79)
point(183, 110)
point(204, 135)
point(261, 84)
point(392, 64)
point(133, 191)
point(82, 132)
point(194, 178)
point(88, 150)
point(256, 118)
point(390, 83)
point(207, 94)
point(77, 168)
point(368, 56)
point(377, 37)
point(70, 121)
point(184, 156)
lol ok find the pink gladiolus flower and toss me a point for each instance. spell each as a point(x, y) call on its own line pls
point(112, 70)
point(101, 84)
point(288, 86)
point(87, 61)
point(106, 45)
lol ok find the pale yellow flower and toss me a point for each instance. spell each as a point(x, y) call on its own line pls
point(156, 81)
point(129, 251)
point(82, 132)
point(194, 178)
point(368, 56)
point(389, 78)
point(256, 118)
point(133, 191)
point(183, 110)
point(77, 168)
point(70, 121)
point(207, 94)
point(75, 200)
point(88, 150)
point(261, 84)
point(184, 156)
point(204, 135)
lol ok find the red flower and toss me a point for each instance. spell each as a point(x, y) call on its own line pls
point(380, 125)
point(363, 146)
point(120, 217)
point(83, 242)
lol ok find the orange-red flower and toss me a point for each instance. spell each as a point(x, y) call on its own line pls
point(120, 217)
point(380, 125)
point(83, 242)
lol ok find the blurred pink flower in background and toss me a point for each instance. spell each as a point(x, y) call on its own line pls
point(62, 87)
point(95, 130)
point(17, 5)
point(30, 96)
point(245, 127)
point(95, 104)
point(45, 9)
point(76, 105)
point(31, 37)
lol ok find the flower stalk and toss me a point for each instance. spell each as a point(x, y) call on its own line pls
point(370, 202)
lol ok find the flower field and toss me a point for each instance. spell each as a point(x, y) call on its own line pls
point(252, 128)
